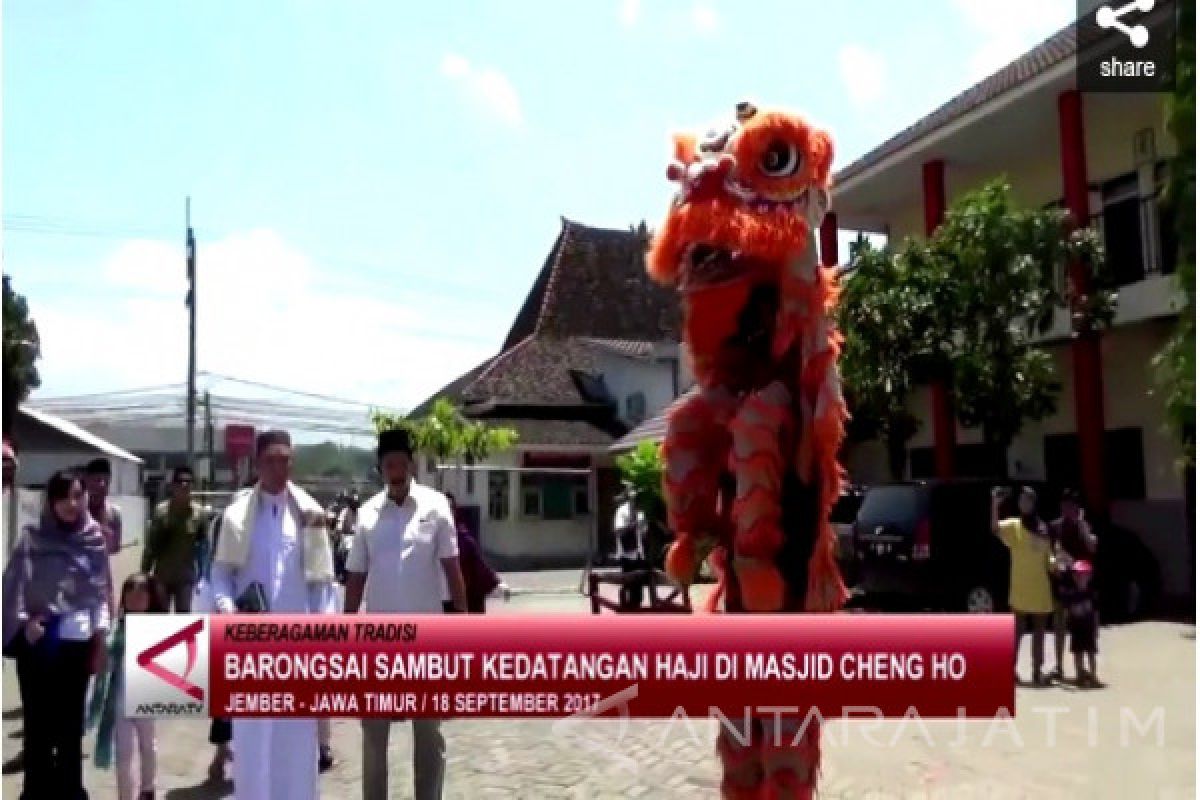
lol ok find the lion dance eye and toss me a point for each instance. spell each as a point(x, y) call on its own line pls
point(780, 160)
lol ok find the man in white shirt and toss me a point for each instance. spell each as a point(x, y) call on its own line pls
point(405, 548)
point(274, 549)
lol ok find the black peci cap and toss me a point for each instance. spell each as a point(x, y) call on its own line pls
point(396, 440)
point(98, 466)
point(268, 438)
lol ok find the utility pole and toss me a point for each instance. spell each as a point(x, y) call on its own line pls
point(191, 304)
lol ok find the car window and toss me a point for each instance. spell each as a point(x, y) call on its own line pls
point(898, 505)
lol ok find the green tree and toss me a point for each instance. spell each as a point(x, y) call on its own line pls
point(22, 349)
point(998, 266)
point(447, 435)
point(1176, 364)
point(965, 306)
point(883, 317)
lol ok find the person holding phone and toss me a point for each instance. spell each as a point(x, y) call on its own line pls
point(1031, 562)
point(274, 555)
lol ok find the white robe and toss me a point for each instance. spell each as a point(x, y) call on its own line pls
point(274, 759)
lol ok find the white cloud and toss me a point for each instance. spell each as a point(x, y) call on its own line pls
point(455, 66)
point(704, 17)
point(486, 88)
point(265, 312)
point(629, 12)
point(1007, 30)
point(864, 74)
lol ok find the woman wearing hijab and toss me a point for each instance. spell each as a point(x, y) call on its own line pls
point(57, 596)
point(1031, 553)
point(481, 580)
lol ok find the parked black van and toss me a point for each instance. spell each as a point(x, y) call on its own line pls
point(931, 543)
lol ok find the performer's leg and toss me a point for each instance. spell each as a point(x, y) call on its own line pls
point(790, 759)
point(375, 757)
point(758, 430)
point(738, 747)
point(694, 451)
point(429, 759)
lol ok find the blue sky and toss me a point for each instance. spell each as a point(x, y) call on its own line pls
point(375, 184)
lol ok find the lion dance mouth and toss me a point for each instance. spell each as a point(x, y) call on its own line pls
point(751, 453)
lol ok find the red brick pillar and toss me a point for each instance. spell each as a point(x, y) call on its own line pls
point(933, 182)
point(829, 241)
point(1085, 348)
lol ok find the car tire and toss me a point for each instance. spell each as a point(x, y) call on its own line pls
point(979, 599)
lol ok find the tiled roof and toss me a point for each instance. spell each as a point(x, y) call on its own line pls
point(581, 432)
point(597, 287)
point(527, 317)
point(622, 347)
point(453, 390)
point(538, 370)
point(592, 296)
point(1053, 51)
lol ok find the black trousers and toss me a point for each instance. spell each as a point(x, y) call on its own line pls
point(53, 682)
point(220, 731)
point(632, 594)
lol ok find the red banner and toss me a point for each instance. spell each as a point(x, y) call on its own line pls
point(239, 441)
point(639, 666)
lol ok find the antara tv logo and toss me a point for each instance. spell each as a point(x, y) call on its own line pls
point(166, 665)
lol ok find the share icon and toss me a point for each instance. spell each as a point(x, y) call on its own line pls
point(1106, 18)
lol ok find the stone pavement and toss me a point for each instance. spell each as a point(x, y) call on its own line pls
point(1063, 742)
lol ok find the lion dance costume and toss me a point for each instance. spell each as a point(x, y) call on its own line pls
point(751, 454)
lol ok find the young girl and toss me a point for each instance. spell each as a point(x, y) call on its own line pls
point(1083, 624)
point(141, 593)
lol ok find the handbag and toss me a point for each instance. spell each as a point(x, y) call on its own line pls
point(253, 600)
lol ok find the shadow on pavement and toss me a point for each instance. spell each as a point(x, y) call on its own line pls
point(209, 790)
point(17, 734)
point(13, 713)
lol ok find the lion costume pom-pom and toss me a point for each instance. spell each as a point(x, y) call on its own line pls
point(751, 452)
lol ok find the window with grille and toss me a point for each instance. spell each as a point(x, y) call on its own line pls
point(1122, 229)
point(635, 408)
point(498, 494)
point(1124, 462)
point(554, 496)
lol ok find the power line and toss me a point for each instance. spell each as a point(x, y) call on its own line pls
point(296, 392)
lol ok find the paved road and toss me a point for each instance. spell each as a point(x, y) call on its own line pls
point(1063, 742)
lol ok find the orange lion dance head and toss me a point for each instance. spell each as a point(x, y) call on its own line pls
point(750, 198)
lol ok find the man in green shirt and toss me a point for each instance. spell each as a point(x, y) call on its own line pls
point(176, 528)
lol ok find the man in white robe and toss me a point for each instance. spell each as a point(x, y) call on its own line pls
point(275, 536)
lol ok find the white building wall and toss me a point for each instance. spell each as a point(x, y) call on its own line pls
point(625, 376)
point(1127, 352)
point(36, 468)
point(516, 538)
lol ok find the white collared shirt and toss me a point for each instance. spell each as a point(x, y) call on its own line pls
point(400, 549)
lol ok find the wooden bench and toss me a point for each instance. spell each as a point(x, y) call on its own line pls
point(675, 599)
